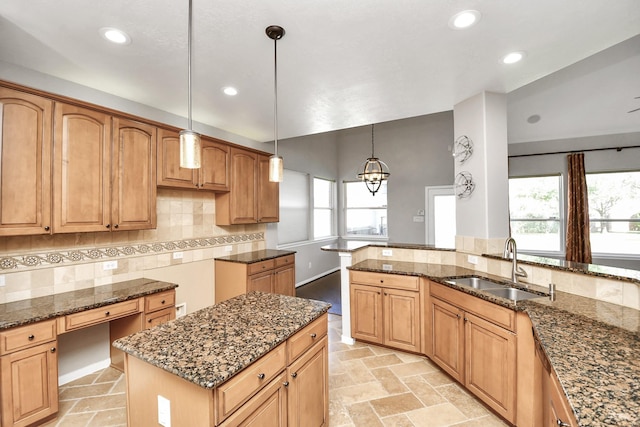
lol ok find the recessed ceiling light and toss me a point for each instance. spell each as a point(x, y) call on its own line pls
point(512, 57)
point(230, 91)
point(464, 19)
point(115, 35)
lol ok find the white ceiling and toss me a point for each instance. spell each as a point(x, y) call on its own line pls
point(341, 63)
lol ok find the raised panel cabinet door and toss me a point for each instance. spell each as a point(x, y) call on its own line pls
point(284, 281)
point(81, 170)
point(133, 199)
point(308, 390)
point(366, 313)
point(169, 172)
point(25, 163)
point(401, 319)
point(448, 338)
point(260, 282)
point(244, 179)
point(214, 173)
point(268, 194)
point(29, 385)
point(491, 364)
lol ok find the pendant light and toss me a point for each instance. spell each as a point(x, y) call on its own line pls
point(374, 170)
point(276, 166)
point(190, 146)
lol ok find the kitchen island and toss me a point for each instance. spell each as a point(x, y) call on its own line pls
point(254, 355)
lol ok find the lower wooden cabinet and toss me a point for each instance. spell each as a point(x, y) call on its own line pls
point(448, 338)
point(29, 389)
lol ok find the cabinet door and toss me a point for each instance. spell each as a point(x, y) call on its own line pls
point(260, 282)
point(25, 163)
point(559, 410)
point(366, 313)
point(214, 173)
point(81, 170)
point(308, 394)
point(491, 364)
point(401, 319)
point(170, 174)
point(284, 281)
point(29, 385)
point(133, 200)
point(268, 194)
point(448, 337)
point(238, 206)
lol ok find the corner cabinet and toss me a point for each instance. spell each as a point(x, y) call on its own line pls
point(251, 198)
point(213, 175)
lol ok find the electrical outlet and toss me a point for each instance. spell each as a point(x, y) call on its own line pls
point(178, 255)
point(228, 248)
point(387, 252)
point(181, 309)
point(164, 411)
point(472, 259)
point(387, 267)
point(109, 265)
point(2, 281)
point(309, 264)
point(418, 218)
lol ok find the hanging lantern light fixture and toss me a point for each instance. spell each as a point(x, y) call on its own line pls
point(276, 164)
point(190, 145)
point(374, 170)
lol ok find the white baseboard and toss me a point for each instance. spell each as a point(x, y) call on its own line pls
point(85, 370)
point(317, 276)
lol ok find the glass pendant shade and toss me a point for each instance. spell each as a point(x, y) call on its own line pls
point(190, 149)
point(373, 173)
point(276, 168)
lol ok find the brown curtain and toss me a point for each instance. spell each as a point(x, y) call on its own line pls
point(578, 245)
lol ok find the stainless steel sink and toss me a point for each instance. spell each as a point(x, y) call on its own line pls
point(475, 283)
point(513, 294)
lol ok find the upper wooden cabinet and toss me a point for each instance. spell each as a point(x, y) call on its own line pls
point(88, 195)
point(25, 163)
point(213, 175)
point(251, 198)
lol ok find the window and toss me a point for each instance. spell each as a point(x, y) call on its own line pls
point(534, 209)
point(614, 212)
point(323, 208)
point(366, 214)
point(294, 208)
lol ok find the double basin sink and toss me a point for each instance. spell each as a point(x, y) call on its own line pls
point(493, 288)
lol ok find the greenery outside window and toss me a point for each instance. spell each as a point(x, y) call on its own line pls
point(365, 213)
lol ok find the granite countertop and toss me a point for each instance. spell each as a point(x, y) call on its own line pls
point(255, 256)
point(593, 346)
point(211, 345)
point(42, 308)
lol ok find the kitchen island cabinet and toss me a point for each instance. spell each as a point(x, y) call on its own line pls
point(232, 363)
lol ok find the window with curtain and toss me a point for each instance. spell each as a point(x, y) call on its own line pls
point(294, 208)
point(365, 213)
point(614, 212)
point(323, 208)
point(535, 213)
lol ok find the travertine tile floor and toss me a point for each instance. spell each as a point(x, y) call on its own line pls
point(368, 386)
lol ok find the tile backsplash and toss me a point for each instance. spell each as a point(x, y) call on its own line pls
point(33, 266)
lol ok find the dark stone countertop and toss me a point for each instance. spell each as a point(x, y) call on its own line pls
point(42, 308)
point(211, 345)
point(255, 256)
point(593, 346)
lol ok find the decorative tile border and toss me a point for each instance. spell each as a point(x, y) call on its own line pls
point(92, 254)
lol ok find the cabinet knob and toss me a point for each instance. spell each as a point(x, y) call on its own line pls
point(295, 374)
point(386, 293)
point(108, 225)
point(381, 281)
point(53, 349)
point(31, 337)
point(106, 313)
point(46, 228)
point(286, 383)
point(260, 376)
point(313, 335)
point(149, 320)
point(115, 226)
point(458, 316)
point(162, 302)
point(466, 320)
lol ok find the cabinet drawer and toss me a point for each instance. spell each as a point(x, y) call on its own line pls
point(396, 281)
point(285, 260)
point(309, 335)
point(27, 336)
point(240, 388)
point(159, 301)
point(159, 317)
point(258, 267)
point(101, 314)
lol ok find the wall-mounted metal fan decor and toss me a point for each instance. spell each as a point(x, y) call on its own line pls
point(462, 148)
point(464, 184)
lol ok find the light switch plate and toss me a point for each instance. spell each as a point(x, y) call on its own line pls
point(472, 259)
point(110, 265)
point(164, 411)
point(2, 280)
point(228, 248)
point(387, 252)
point(178, 255)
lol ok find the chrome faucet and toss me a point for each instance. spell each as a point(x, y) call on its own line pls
point(511, 248)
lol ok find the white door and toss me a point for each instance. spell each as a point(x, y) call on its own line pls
point(440, 207)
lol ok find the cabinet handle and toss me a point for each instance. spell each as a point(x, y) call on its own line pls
point(386, 294)
point(458, 316)
point(149, 320)
point(31, 337)
point(53, 349)
point(466, 320)
point(295, 374)
point(381, 281)
point(115, 226)
point(286, 383)
point(313, 335)
point(562, 423)
point(378, 292)
point(260, 376)
point(46, 228)
point(107, 313)
point(108, 225)
point(162, 302)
